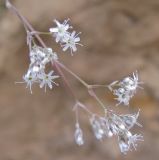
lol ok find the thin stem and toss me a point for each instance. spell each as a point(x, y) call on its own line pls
point(93, 94)
point(41, 33)
point(16, 12)
point(94, 86)
point(79, 104)
point(73, 74)
point(24, 21)
point(64, 79)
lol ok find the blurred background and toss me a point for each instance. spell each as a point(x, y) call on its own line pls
point(119, 37)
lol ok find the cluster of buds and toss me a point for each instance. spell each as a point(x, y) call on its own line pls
point(113, 125)
point(39, 58)
point(66, 39)
point(125, 89)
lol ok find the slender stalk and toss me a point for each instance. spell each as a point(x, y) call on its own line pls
point(73, 74)
point(41, 33)
point(65, 80)
point(98, 86)
point(93, 94)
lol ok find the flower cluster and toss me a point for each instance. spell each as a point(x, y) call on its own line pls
point(64, 37)
point(105, 126)
point(113, 125)
point(125, 89)
point(39, 58)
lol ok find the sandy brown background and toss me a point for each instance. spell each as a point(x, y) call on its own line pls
point(119, 37)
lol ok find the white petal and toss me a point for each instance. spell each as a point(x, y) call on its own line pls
point(66, 47)
point(57, 22)
point(73, 34)
point(53, 30)
point(50, 73)
point(50, 85)
point(77, 39)
point(57, 39)
point(74, 48)
point(42, 84)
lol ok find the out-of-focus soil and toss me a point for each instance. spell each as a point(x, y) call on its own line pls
point(119, 37)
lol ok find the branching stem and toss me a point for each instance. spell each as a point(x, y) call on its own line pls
point(58, 65)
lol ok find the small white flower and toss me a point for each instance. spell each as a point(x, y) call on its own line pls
point(51, 55)
point(104, 123)
point(97, 128)
point(131, 83)
point(130, 120)
point(78, 135)
point(123, 98)
point(127, 141)
point(70, 42)
point(47, 80)
point(29, 79)
point(61, 30)
point(125, 89)
point(124, 147)
point(133, 140)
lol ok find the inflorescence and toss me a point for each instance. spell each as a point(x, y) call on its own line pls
point(106, 126)
point(112, 124)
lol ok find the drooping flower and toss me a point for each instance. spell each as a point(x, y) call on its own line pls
point(78, 135)
point(105, 125)
point(97, 128)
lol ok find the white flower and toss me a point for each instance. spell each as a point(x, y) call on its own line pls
point(131, 83)
point(97, 128)
point(47, 80)
point(61, 30)
point(124, 147)
point(127, 141)
point(122, 96)
point(50, 56)
point(78, 135)
point(130, 120)
point(70, 42)
point(29, 79)
point(125, 89)
point(104, 123)
point(133, 140)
